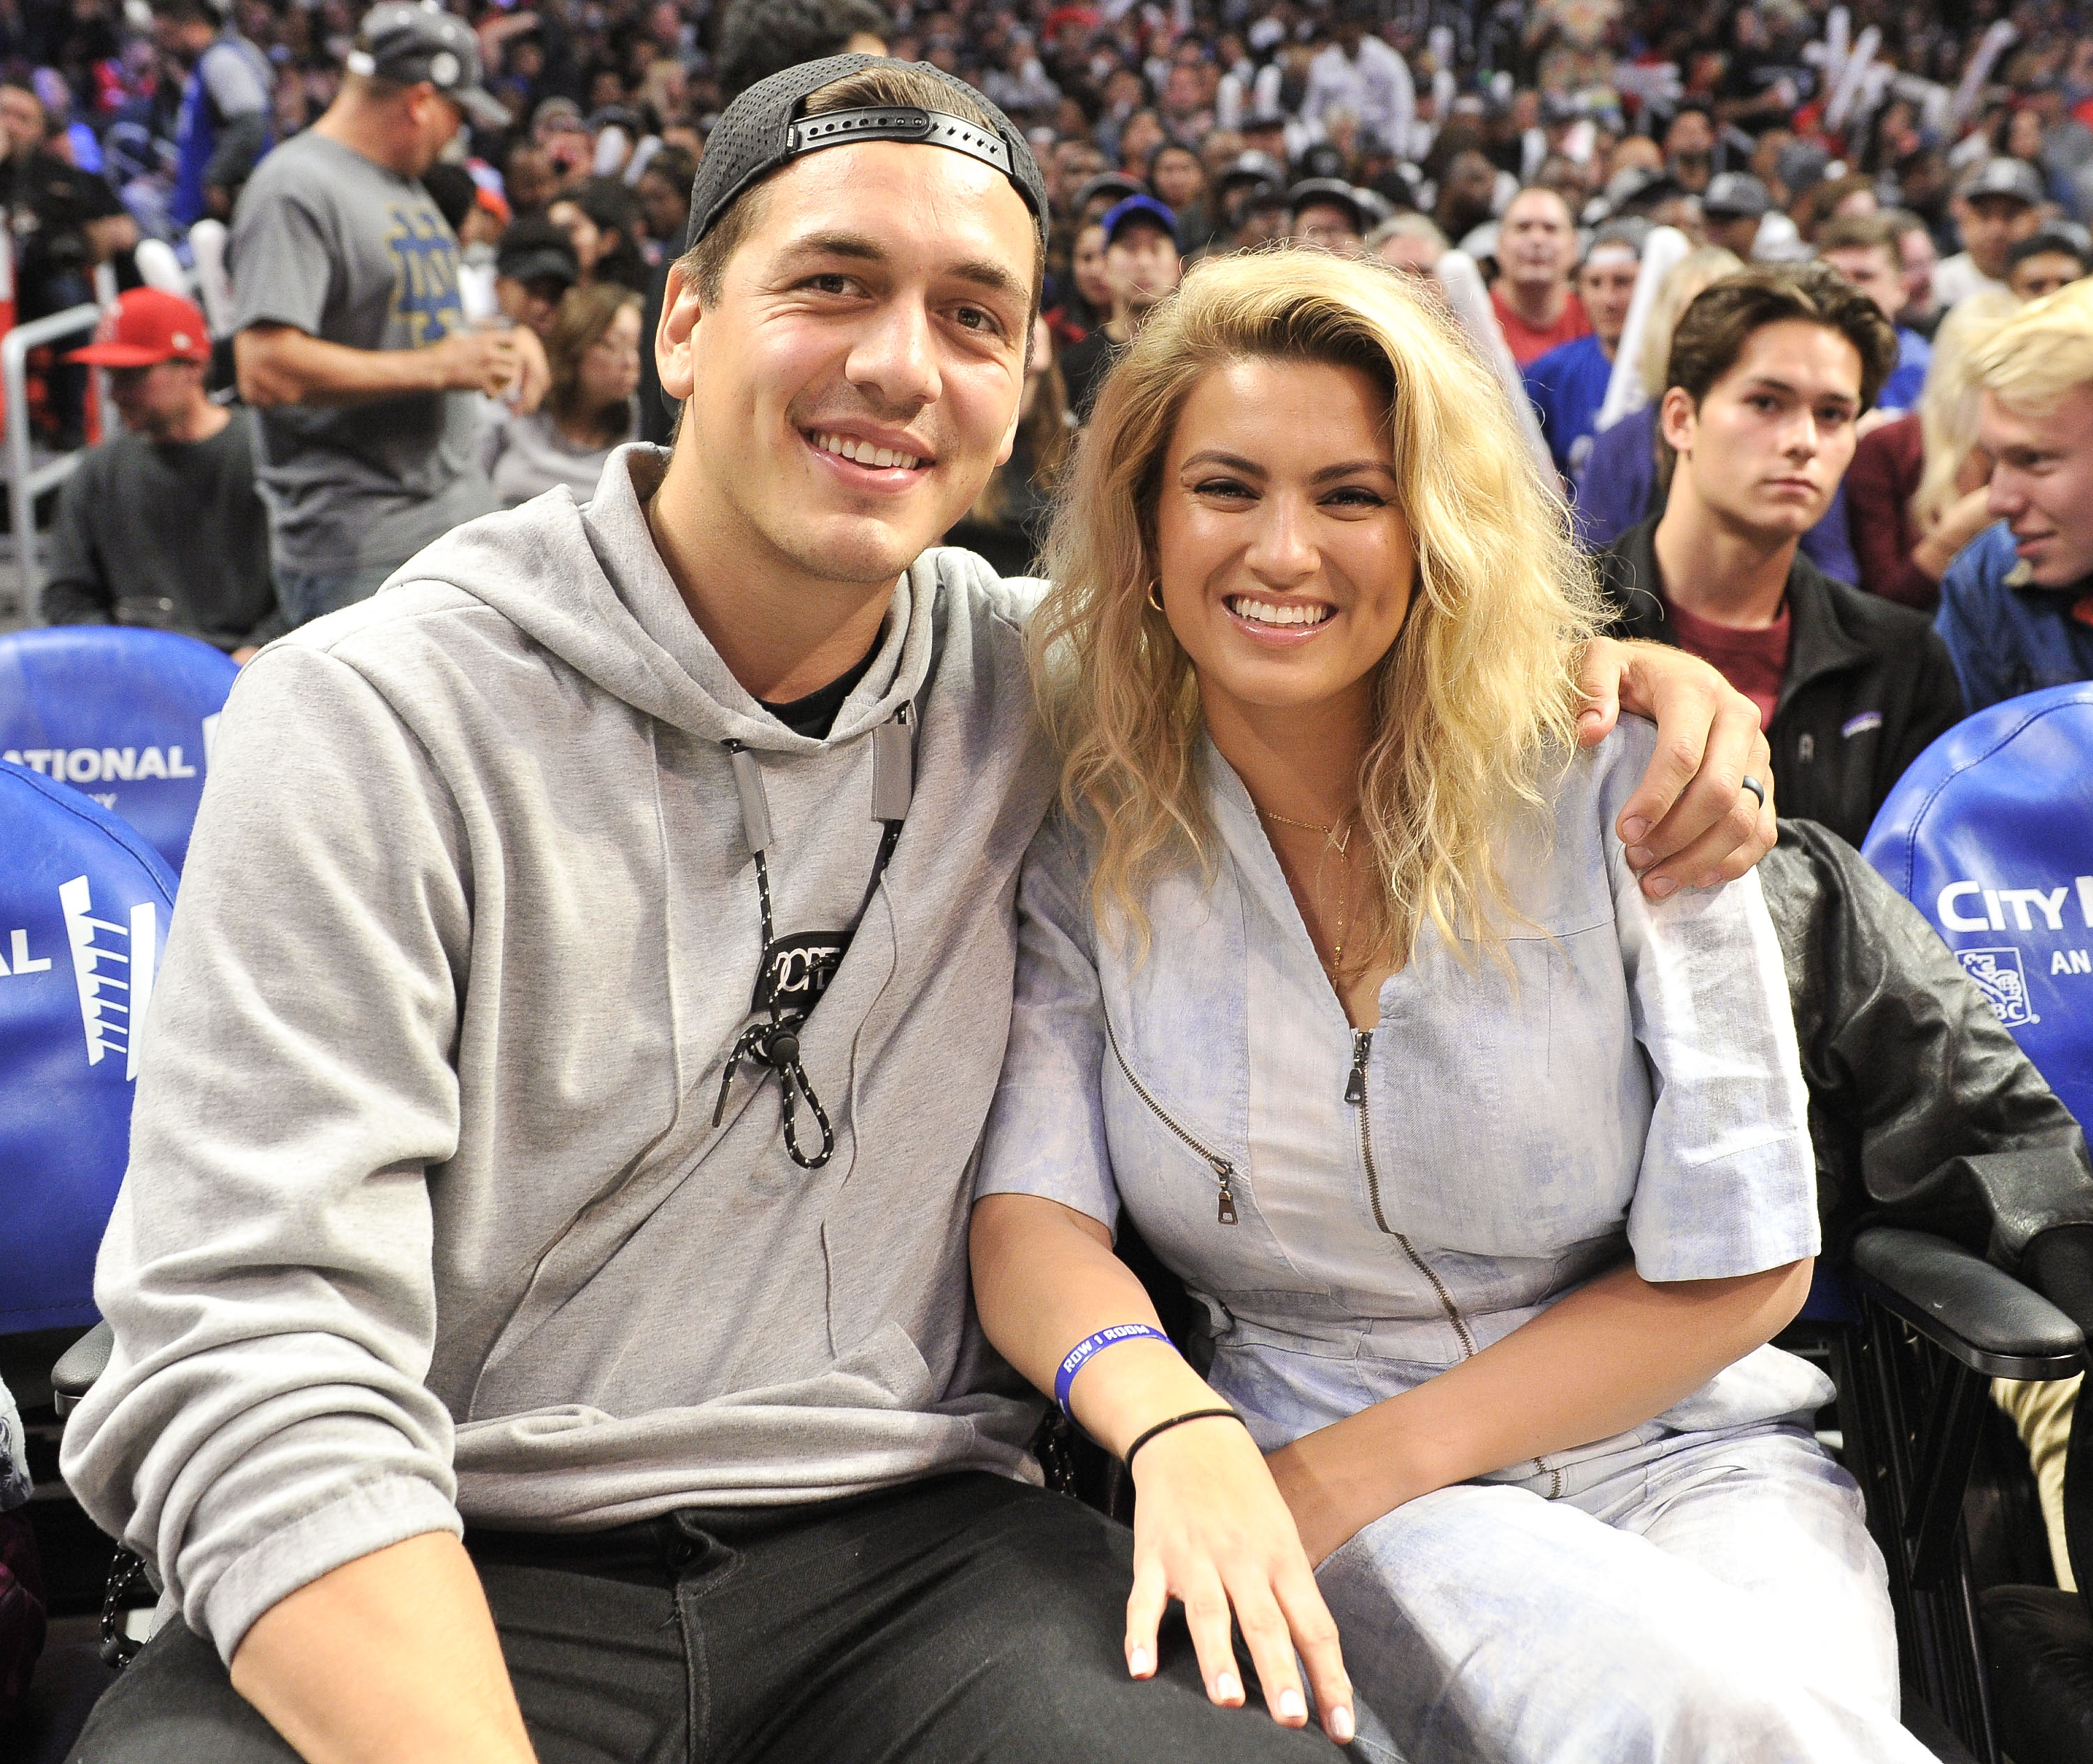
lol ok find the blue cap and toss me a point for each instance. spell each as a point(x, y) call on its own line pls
point(1137, 207)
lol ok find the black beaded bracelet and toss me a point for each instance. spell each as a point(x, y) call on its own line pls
point(1178, 1421)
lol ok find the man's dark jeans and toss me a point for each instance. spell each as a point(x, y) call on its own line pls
point(963, 1618)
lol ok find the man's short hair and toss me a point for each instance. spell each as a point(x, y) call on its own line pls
point(1712, 332)
point(1548, 190)
point(1861, 232)
point(760, 37)
point(2043, 353)
point(898, 85)
point(1407, 226)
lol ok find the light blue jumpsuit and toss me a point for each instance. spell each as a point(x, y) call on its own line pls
point(1702, 1588)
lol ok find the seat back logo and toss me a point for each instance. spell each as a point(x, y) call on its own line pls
point(2003, 981)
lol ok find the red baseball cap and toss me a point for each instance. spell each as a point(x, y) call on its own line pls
point(145, 325)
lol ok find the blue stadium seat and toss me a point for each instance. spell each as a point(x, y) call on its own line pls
point(84, 907)
point(1990, 835)
point(125, 715)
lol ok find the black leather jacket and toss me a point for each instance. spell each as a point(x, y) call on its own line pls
point(1923, 1110)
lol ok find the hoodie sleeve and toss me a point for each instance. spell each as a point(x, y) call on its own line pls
point(267, 1270)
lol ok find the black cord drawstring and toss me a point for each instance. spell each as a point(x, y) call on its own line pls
point(775, 1043)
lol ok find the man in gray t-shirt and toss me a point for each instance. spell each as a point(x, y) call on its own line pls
point(350, 340)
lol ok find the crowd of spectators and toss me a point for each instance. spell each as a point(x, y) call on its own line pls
point(1568, 173)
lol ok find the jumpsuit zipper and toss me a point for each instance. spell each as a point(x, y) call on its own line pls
point(1223, 1171)
point(1355, 1094)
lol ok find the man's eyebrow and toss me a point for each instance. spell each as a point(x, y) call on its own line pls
point(981, 272)
point(1767, 382)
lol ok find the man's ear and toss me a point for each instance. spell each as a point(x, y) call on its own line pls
point(1677, 420)
point(675, 338)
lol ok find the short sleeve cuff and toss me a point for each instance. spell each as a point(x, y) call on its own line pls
point(1742, 1214)
point(368, 1517)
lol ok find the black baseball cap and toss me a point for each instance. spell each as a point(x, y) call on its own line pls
point(1336, 192)
point(415, 40)
point(763, 130)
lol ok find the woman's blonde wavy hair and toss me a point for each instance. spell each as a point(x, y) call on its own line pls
point(1475, 698)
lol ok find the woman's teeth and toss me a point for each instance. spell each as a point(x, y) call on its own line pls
point(1263, 612)
point(865, 453)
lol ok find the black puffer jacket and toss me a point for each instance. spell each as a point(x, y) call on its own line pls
point(1923, 1110)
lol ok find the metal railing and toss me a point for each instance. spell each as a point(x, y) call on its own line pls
point(27, 480)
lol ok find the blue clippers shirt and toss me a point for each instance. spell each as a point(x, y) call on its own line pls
point(1567, 386)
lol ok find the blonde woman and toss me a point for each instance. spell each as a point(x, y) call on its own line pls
point(1489, 1174)
point(1917, 489)
point(1617, 488)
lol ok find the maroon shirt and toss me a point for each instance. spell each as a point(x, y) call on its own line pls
point(1879, 483)
point(1754, 662)
point(1529, 345)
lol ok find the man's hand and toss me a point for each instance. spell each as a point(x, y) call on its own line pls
point(392, 1656)
point(1691, 822)
point(534, 372)
point(489, 362)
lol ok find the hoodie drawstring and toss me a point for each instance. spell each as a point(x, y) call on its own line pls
point(794, 972)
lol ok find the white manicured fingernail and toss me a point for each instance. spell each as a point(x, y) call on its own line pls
point(1138, 1663)
point(1341, 1725)
point(1226, 1689)
point(1292, 1706)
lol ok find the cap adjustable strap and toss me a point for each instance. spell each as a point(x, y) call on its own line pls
point(933, 128)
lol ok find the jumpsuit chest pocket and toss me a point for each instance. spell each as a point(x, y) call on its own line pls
point(1187, 1187)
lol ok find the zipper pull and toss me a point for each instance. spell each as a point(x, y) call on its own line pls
point(1227, 1213)
point(1355, 1085)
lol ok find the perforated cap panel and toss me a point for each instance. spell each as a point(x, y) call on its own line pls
point(763, 130)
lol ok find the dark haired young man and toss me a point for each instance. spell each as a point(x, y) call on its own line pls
point(1770, 373)
point(591, 980)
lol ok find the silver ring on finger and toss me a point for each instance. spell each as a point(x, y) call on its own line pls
point(1755, 787)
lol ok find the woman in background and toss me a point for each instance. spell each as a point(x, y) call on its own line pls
point(1920, 487)
point(593, 349)
point(602, 219)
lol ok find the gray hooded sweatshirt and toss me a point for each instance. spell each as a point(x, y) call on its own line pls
point(427, 1215)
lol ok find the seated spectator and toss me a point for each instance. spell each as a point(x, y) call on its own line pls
point(1920, 257)
point(1916, 494)
point(2015, 606)
point(602, 222)
point(1008, 523)
point(1568, 385)
point(1412, 242)
point(593, 350)
point(533, 269)
point(2056, 252)
point(1327, 214)
point(1178, 176)
point(1141, 266)
point(1733, 210)
point(162, 527)
point(1770, 371)
point(1536, 309)
point(2000, 205)
point(1863, 249)
point(664, 194)
point(1617, 486)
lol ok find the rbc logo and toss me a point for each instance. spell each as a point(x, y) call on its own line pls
point(2003, 981)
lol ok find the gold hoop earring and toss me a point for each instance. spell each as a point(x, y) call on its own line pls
point(1156, 593)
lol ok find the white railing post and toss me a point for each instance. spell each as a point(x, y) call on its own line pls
point(27, 480)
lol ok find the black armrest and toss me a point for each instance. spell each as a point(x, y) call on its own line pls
point(78, 1366)
point(1973, 1312)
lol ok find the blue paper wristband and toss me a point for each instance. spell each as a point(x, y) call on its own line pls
point(1079, 1355)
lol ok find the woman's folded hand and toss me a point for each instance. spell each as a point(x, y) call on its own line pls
point(1211, 1528)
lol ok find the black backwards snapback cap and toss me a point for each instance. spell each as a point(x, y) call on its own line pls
point(763, 131)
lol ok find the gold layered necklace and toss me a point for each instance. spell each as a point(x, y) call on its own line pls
point(1333, 840)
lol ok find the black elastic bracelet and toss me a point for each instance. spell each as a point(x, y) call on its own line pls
point(1178, 1421)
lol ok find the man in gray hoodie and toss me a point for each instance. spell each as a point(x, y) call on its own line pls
point(589, 982)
